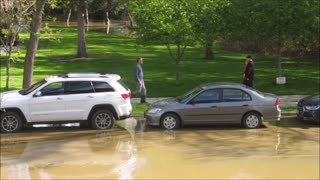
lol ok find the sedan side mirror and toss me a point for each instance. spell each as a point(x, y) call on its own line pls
point(38, 94)
point(192, 101)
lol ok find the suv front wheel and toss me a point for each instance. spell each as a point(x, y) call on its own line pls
point(102, 119)
point(10, 122)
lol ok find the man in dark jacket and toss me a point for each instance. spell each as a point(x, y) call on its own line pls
point(249, 72)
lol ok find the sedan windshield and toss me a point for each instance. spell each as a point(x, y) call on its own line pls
point(185, 97)
point(32, 88)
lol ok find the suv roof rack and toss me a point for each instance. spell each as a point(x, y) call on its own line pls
point(89, 75)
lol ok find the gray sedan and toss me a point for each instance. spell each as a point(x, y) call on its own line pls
point(215, 103)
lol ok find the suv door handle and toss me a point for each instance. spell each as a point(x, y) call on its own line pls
point(213, 107)
point(59, 98)
point(245, 105)
point(90, 96)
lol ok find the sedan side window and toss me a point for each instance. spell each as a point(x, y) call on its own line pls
point(79, 87)
point(235, 95)
point(56, 88)
point(208, 96)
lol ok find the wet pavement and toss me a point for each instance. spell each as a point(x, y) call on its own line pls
point(284, 150)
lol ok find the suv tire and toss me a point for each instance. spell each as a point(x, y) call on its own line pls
point(10, 122)
point(102, 119)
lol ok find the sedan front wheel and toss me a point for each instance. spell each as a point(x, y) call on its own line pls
point(170, 121)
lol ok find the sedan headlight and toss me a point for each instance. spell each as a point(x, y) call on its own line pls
point(154, 110)
point(312, 108)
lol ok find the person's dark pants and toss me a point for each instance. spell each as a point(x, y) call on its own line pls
point(249, 82)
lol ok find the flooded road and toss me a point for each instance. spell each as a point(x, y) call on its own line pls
point(285, 150)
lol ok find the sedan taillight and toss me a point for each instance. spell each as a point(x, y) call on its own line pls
point(277, 102)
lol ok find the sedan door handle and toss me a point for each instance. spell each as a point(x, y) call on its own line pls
point(245, 105)
point(213, 107)
point(90, 96)
point(59, 98)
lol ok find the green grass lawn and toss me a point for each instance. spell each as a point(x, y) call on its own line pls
point(114, 54)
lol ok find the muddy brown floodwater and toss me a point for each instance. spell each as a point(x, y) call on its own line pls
point(285, 150)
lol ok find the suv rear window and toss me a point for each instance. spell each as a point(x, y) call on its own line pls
point(78, 87)
point(123, 85)
point(102, 87)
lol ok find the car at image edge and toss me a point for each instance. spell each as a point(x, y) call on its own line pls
point(308, 109)
point(97, 99)
point(215, 103)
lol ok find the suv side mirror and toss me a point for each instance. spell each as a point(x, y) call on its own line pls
point(38, 94)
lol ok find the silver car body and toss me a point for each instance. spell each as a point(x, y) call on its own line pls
point(221, 111)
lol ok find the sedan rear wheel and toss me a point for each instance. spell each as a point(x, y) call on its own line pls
point(10, 122)
point(252, 120)
point(170, 121)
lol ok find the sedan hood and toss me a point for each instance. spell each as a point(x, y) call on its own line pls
point(165, 102)
point(310, 100)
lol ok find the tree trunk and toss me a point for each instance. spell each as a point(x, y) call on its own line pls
point(130, 19)
point(279, 55)
point(33, 42)
point(178, 58)
point(209, 45)
point(8, 73)
point(82, 49)
point(87, 19)
point(69, 15)
point(107, 22)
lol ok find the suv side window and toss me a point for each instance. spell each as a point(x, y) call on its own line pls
point(102, 86)
point(208, 96)
point(235, 95)
point(79, 87)
point(56, 88)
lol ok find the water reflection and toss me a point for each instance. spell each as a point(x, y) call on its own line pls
point(134, 151)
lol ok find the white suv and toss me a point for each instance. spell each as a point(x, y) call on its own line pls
point(90, 98)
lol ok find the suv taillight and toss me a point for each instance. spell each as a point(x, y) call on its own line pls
point(277, 102)
point(125, 96)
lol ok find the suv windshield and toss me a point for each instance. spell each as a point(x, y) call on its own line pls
point(32, 88)
point(184, 98)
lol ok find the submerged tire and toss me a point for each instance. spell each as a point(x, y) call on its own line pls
point(102, 119)
point(251, 120)
point(170, 121)
point(10, 122)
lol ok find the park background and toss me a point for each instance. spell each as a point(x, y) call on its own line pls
point(184, 43)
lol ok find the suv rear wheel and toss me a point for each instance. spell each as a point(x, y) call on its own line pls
point(102, 119)
point(10, 122)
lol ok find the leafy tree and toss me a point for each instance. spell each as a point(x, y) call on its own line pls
point(164, 22)
point(207, 22)
point(13, 20)
point(272, 26)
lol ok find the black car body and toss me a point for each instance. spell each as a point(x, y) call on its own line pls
point(308, 108)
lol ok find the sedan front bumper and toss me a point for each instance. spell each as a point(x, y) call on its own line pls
point(152, 119)
point(305, 115)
